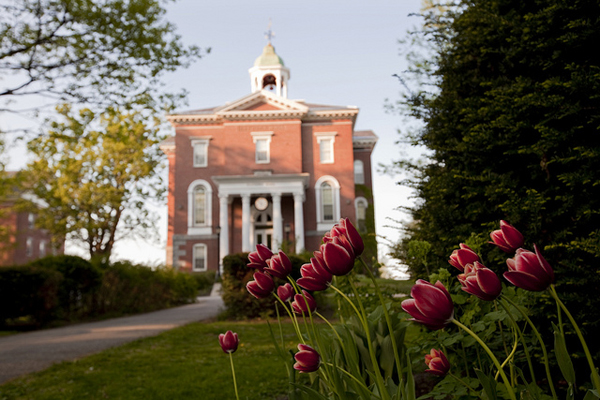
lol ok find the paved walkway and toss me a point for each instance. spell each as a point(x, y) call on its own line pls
point(34, 351)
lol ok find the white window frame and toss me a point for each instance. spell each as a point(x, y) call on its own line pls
point(42, 248)
point(258, 137)
point(200, 144)
point(326, 138)
point(359, 172)
point(206, 228)
point(357, 201)
point(31, 220)
point(199, 247)
point(29, 247)
point(323, 225)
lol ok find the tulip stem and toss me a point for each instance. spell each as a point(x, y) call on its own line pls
point(516, 326)
point(595, 377)
point(361, 383)
point(539, 338)
point(233, 373)
point(509, 388)
point(510, 356)
point(293, 318)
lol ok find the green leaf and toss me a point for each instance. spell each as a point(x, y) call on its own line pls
point(591, 395)
point(488, 384)
point(562, 356)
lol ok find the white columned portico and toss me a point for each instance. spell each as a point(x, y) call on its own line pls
point(299, 222)
point(224, 223)
point(277, 221)
point(246, 222)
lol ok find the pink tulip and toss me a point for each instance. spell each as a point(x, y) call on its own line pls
point(279, 265)
point(314, 275)
point(463, 256)
point(285, 292)
point(229, 341)
point(507, 238)
point(480, 281)
point(261, 286)
point(437, 363)
point(300, 305)
point(529, 271)
point(431, 305)
point(338, 260)
point(258, 259)
point(346, 229)
point(307, 359)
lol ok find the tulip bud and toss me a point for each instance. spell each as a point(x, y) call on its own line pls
point(529, 271)
point(229, 341)
point(258, 259)
point(261, 286)
point(431, 305)
point(463, 256)
point(480, 281)
point(304, 304)
point(507, 238)
point(437, 363)
point(338, 260)
point(279, 266)
point(285, 292)
point(314, 275)
point(307, 359)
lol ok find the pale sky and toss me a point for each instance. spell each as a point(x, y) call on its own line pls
point(338, 52)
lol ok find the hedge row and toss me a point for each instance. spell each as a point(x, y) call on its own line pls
point(69, 288)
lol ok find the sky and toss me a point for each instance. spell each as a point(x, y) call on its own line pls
point(338, 52)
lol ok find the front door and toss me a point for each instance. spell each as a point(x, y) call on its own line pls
point(264, 236)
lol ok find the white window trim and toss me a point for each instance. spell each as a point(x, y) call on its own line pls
point(200, 140)
point(356, 201)
point(256, 136)
point(321, 136)
point(327, 225)
point(204, 229)
point(205, 249)
point(362, 167)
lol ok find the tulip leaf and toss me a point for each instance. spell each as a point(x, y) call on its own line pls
point(562, 356)
point(410, 393)
point(488, 384)
point(590, 395)
point(386, 360)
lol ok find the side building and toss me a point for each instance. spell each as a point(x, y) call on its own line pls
point(264, 169)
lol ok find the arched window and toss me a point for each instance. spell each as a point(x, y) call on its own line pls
point(361, 205)
point(327, 192)
point(199, 207)
point(359, 172)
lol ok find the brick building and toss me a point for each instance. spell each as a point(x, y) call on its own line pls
point(264, 169)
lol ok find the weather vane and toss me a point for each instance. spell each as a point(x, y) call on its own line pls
point(269, 33)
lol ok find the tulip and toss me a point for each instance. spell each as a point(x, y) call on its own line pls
point(261, 286)
point(507, 238)
point(480, 281)
point(279, 265)
point(304, 304)
point(431, 305)
point(346, 229)
point(463, 256)
point(529, 271)
point(307, 359)
point(258, 259)
point(285, 292)
point(338, 260)
point(437, 363)
point(315, 275)
point(229, 342)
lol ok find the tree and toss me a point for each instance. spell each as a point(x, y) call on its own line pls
point(97, 172)
point(512, 128)
point(102, 52)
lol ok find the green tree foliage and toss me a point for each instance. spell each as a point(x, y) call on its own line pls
point(94, 51)
point(512, 127)
point(96, 173)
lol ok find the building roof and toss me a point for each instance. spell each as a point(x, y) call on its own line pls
point(268, 57)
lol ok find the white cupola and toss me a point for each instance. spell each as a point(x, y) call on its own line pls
point(269, 73)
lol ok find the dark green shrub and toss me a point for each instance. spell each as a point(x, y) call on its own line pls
point(27, 291)
point(204, 282)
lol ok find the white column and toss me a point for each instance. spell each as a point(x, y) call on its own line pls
point(246, 222)
point(277, 221)
point(299, 222)
point(224, 223)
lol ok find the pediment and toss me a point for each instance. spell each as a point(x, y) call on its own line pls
point(262, 101)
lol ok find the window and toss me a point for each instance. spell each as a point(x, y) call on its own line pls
point(31, 220)
point(327, 192)
point(199, 207)
point(199, 257)
point(262, 140)
point(200, 147)
point(359, 172)
point(42, 248)
point(29, 247)
point(325, 141)
point(361, 213)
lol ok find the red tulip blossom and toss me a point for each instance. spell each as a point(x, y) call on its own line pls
point(507, 238)
point(229, 341)
point(346, 229)
point(285, 292)
point(315, 275)
point(437, 363)
point(304, 304)
point(338, 256)
point(261, 286)
point(258, 259)
point(529, 271)
point(430, 305)
point(279, 265)
point(480, 281)
point(463, 256)
point(307, 359)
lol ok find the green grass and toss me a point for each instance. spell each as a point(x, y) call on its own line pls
point(184, 363)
